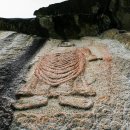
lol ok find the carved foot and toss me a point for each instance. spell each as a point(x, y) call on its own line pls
point(30, 102)
point(77, 102)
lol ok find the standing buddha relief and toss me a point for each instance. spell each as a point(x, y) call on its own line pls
point(55, 69)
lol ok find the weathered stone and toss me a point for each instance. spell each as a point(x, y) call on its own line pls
point(115, 125)
point(127, 111)
point(84, 115)
point(87, 123)
point(121, 9)
point(30, 102)
point(78, 128)
point(77, 102)
point(58, 68)
point(103, 99)
point(79, 7)
point(33, 88)
point(102, 111)
point(88, 91)
point(83, 17)
point(110, 80)
point(66, 44)
point(63, 89)
point(6, 113)
point(121, 37)
point(70, 19)
point(110, 33)
point(16, 50)
point(105, 124)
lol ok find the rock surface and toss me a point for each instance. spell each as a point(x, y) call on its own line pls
point(106, 86)
point(77, 102)
point(106, 90)
point(16, 50)
point(30, 102)
point(123, 37)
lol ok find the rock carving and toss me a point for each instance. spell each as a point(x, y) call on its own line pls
point(53, 70)
point(58, 68)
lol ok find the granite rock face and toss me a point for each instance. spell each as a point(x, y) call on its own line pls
point(96, 100)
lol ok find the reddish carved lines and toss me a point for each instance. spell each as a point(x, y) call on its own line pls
point(58, 68)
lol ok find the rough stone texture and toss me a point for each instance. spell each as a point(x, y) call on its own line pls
point(30, 102)
point(77, 102)
point(15, 51)
point(84, 91)
point(108, 87)
point(6, 113)
point(123, 37)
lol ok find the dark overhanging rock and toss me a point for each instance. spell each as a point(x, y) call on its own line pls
point(72, 7)
point(121, 9)
point(77, 18)
point(68, 19)
point(28, 26)
point(73, 19)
